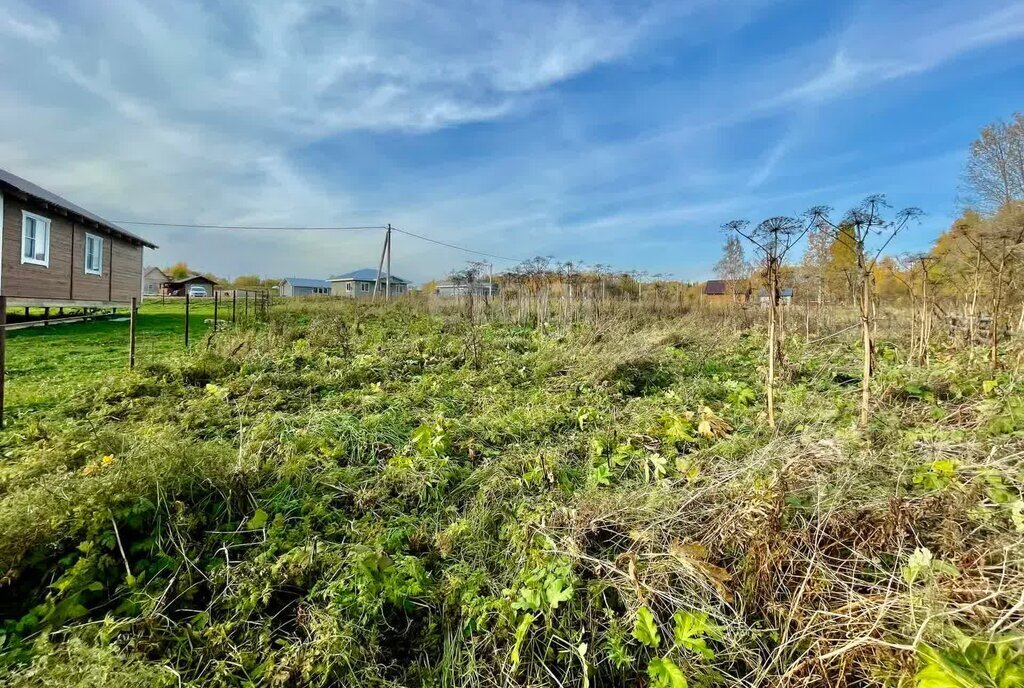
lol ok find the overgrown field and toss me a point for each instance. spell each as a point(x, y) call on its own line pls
point(350, 496)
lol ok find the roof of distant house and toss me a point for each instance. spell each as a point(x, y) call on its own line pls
point(192, 276)
point(716, 287)
point(40, 194)
point(366, 275)
point(307, 282)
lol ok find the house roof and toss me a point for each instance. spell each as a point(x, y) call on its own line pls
point(307, 282)
point(155, 269)
point(191, 278)
point(13, 181)
point(365, 275)
point(716, 287)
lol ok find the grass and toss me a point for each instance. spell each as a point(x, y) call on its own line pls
point(351, 495)
point(45, 365)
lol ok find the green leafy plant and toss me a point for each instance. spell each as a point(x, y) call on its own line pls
point(692, 630)
point(665, 673)
point(972, 664)
point(645, 629)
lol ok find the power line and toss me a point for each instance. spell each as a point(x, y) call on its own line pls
point(254, 227)
point(357, 228)
point(458, 248)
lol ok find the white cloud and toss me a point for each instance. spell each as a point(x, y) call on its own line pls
point(203, 112)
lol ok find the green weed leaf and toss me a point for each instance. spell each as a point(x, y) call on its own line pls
point(646, 630)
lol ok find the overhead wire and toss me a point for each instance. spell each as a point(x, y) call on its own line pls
point(298, 228)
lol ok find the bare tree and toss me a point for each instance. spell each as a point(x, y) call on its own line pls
point(994, 175)
point(733, 265)
point(858, 227)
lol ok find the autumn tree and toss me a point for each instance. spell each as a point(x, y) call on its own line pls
point(248, 281)
point(178, 271)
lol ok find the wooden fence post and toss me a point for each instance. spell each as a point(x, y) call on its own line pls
point(246, 304)
point(186, 317)
point(216, 302)
point(234, 302)
point(131, 333)
point(3, 353)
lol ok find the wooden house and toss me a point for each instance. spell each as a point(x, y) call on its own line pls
point(54, 253)
point(153, 281)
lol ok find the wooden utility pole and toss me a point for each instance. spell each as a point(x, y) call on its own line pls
point(131, 333)
point(380, 265)
point(387, 286)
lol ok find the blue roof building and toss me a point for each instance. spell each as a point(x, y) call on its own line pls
point(303, 286)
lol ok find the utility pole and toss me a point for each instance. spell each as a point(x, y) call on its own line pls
point(380, 265)
point(387, 288)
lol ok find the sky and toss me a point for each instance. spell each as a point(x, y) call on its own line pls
point(620, 133)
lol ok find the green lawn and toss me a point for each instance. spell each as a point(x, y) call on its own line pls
point(46, 365)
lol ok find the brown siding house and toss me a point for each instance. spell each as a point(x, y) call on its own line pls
point(54, 253)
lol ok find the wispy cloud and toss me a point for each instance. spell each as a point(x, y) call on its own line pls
point(524, 125)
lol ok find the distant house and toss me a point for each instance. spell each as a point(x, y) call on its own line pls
point(723, 290)
point(301, 286)
point(358, 284)
point(456, 289)
point(178, 287)
point(785, 297)
point(54, 253)
point(152, 281)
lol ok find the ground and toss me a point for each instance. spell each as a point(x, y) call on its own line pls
point(45, 365)
point(359, 495)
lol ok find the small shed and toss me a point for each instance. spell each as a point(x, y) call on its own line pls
point(785, 297)
point(303, 286)
point(178, 287)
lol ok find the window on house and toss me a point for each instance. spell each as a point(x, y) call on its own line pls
point(348, 286)
point(93, 254)
point(35, 239)
point(364, 286)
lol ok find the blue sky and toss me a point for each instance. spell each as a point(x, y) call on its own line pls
point(612, 132)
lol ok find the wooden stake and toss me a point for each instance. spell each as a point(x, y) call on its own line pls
point(234, 303)
point(186, 317)
point(216, 302)
point(131, 333)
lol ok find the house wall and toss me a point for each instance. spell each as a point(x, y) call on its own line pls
point(302, 291)
point(152, 282)
point(65, 279)
point(339, 289)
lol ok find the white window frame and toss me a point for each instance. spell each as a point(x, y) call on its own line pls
point(93, 237)
point(44, 223)
point(364, 286)
point(348, 286)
